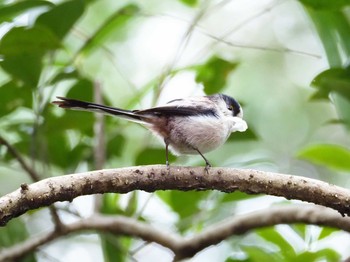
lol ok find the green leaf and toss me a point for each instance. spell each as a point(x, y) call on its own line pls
point(333, 29)
point(214, 73)
point(110, 204)
point(22, 50)
point(82, 90)
point(343, 33)
point(300, 229)
point(326, 232)
point(115, 22)
point(72, 119)
point(325, 4)
point(185, 204)
point(191, 3)
point(333, 80)
point(343, 108)
point(78, 154)
point(115, 248)
point(65, 74)
point(233, 259)
point(150, 156)
point(236, 196)
point(13, 96)
point(26, 68)
point(273, 236)
point(332, 156)
point(131, 207)
point(326, 254)
point(257, 254)
point(115, 145)
point(14, 233)
point(8, 12)
point(21, 40)
point(62, 17)
point(57, 147)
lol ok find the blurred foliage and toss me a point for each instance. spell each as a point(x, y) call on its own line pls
point(213, 74)
point(9, 12)
point(325, 4)
point(190, 2)
point(335, 80)
point(61, 49)
point(333, 156)
point(14, 232)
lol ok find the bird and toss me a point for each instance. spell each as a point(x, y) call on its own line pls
point(188, 126)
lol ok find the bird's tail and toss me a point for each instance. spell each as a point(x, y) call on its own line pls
point(92, 107)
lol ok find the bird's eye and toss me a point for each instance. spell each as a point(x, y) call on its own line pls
point(230, 108)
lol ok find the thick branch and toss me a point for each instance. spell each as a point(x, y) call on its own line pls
point(152, 178)
point(187, 247)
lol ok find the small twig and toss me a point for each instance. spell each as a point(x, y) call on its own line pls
point(33, 175)
point(99, 130)
point(100, 142)
point(56, 218)
point(164, 77)
point(262, 48)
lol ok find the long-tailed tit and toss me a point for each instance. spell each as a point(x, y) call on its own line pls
point(187, 126)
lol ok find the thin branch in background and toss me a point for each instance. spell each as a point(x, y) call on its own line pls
point(56, 218)
point(139, 248)
point(47, 256)
point(262, 48)
point(110, 55)
point(69, 209)
point(99, 130)
point(164, 77)
point(248, 20)
point(185, 247)
point(236, 28)
point(37, 150)
point(221, 39)
point(143, 208)
point(100, 140)
point(33, 175)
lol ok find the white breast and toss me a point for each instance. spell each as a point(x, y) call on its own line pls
point(202, 132)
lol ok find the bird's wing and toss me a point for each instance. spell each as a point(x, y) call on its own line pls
point(177, 111)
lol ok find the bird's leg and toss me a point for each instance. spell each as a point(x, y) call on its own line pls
point(166, 152)
point(208, 165)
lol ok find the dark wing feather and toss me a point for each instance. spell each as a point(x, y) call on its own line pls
point(177, 111)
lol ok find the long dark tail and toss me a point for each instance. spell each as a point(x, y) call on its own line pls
point(92, 107)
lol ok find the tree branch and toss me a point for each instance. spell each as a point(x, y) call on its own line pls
point(157, 177)
point(242, 224)
point(187, 247)
point(33, 175)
